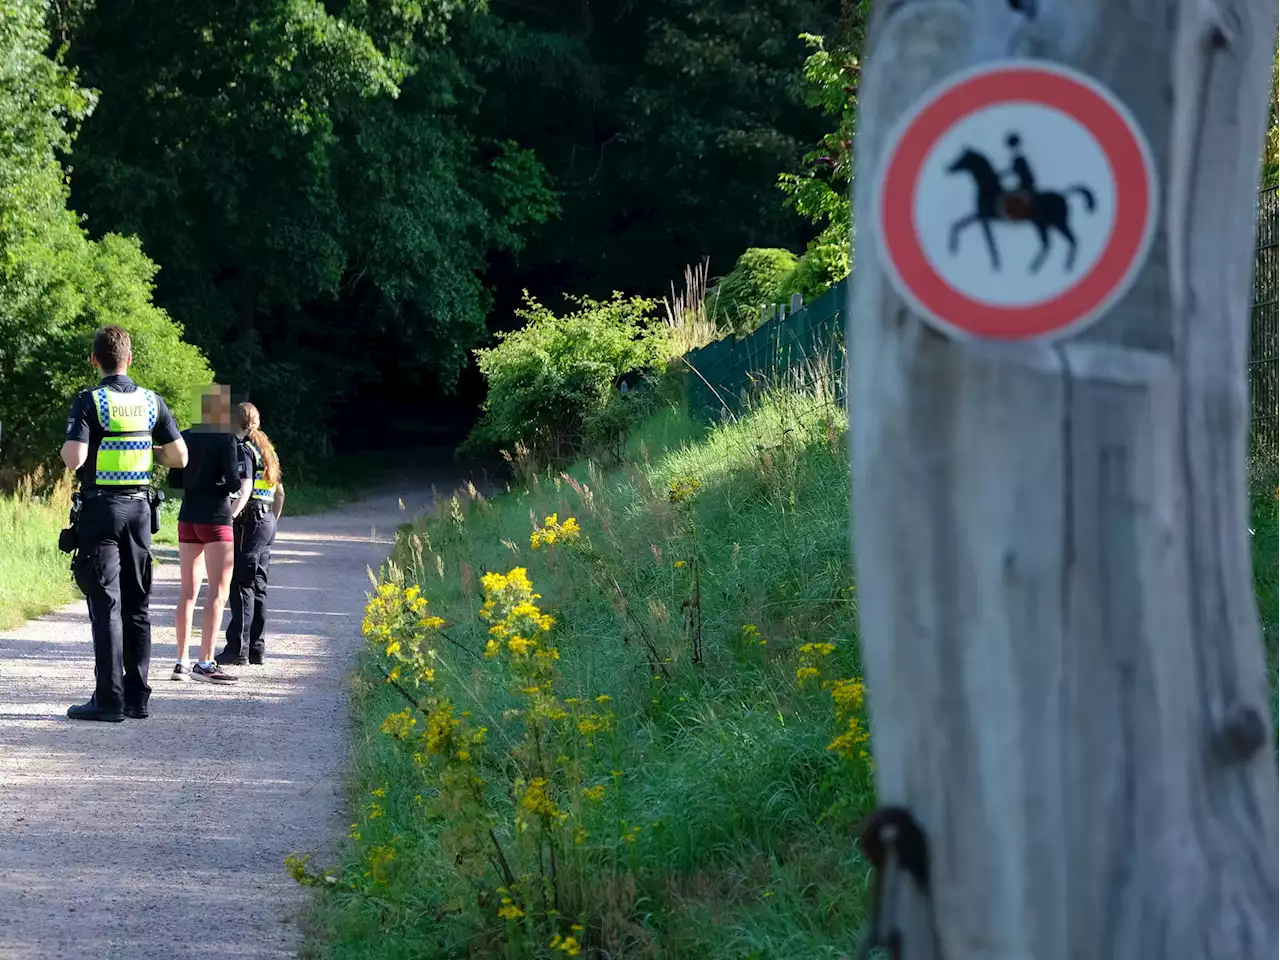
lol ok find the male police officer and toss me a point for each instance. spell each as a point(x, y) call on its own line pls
point(114, 434)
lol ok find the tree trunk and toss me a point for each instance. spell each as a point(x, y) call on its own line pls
point(1059, 631)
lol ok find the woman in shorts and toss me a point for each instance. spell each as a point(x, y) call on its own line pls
point(216, 484)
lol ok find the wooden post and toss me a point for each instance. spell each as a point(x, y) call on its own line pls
point(1059, 632)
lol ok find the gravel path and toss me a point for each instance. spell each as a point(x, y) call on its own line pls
point(116, 838)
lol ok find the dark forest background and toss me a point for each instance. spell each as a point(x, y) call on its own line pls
point(345, 198)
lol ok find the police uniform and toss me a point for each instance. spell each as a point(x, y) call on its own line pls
point(119, 421)
point(255, 530)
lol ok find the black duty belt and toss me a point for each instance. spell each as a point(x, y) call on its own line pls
point(256, 509)
point(95, 493)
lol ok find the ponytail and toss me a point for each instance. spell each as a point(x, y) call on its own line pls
point(270, 461)
point(249, 420)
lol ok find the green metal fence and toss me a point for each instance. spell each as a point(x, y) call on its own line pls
point(1264, 335)
point(808, 345)
point(803, 347)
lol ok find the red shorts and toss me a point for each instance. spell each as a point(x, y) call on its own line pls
point(204, 533)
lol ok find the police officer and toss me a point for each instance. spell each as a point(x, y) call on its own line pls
point(255, 530)
point(115, 433)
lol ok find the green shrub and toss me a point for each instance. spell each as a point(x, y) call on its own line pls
point(56, 285)
point(821, 266)
point(758, 278)
point(112, 281)
point(552, 383)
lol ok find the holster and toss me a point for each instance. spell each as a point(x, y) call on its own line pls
point(156, 497)
point(69, 538)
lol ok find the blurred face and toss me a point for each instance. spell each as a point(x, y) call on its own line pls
point(215, 407)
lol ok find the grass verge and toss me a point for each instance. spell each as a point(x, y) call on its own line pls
point(619, 715)
point(35, 577)
point(654, 773)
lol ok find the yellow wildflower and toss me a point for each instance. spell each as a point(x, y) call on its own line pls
point(593, 723)
point(520, 646)
point(399, 725)
point(818, 649)
point(807, 673)
point(380, 859)
point(440, 726)
point(848, 696)
point(509, 911)
point(536, 799)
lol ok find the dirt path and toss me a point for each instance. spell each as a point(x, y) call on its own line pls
point(165, 838)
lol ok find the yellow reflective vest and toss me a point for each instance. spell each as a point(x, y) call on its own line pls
point(262, 491)
point(124, 454)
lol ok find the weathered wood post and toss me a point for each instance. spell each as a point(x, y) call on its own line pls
point(1059, 633)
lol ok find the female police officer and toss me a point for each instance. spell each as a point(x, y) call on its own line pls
point(254, 532)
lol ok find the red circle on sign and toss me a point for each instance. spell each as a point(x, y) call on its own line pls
point(1131, 229)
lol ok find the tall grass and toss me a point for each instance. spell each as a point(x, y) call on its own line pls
point(34, 575)
point(686, 312)
point(726, 829)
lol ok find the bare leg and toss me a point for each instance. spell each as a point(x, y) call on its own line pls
point(219, 560)
point(191, 564)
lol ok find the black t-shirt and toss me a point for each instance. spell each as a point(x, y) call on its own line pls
point(83, 426)
point(215, 467)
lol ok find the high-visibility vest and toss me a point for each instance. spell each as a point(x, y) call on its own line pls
point(124, 454)
point(263, 491)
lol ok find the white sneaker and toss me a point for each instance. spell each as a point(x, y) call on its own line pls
point(180, 671)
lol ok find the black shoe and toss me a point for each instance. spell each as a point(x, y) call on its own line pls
point(136, 713)
point(91, 711)
point(226, 658)
point(256, 657)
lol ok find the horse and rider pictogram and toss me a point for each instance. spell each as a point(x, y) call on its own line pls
point(1014, 200)
point(1046, 210)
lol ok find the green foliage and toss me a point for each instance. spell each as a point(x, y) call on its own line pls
point(1271, 149)
point(552, 383)
point(692, 810)
point(664, 124)
point(57, 286)
point(759, 278)
point(822, 195)
point(306, 175)
point(33, 572)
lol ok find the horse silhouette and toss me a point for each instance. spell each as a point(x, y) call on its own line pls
point(1043, 209)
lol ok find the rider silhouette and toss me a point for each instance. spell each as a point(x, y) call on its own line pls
point(1020, 168)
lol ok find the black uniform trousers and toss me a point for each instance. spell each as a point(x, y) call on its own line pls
point(255, 529)
point(113, 571)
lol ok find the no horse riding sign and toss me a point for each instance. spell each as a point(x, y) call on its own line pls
point(1015, 200)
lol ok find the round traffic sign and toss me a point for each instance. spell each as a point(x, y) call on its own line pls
point(1015, 200)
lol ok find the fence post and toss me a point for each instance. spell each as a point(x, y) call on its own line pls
point(1058, 629)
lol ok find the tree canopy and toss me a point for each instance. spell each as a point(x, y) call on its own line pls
point(343, 193)
point(329, 199)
